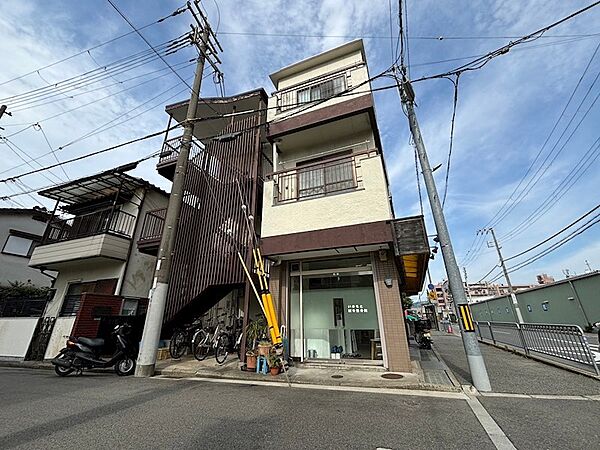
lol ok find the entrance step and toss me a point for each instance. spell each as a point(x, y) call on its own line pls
point(343, 365)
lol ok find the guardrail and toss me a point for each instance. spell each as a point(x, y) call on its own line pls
point(566, 344)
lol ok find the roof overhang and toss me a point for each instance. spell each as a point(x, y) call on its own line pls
point(316, 60)
point(211, 109)
point(97, 187)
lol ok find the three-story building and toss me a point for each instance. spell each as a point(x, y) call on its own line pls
point(341, 260)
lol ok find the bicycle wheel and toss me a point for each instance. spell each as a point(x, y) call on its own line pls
point(202, 345)
point(177, 345)
point(222, 349)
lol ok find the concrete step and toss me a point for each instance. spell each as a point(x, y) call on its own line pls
point(343, 365)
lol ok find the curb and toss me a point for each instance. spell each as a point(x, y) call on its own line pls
point(281, 379)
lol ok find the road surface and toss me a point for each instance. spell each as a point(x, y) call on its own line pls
point(101, 410)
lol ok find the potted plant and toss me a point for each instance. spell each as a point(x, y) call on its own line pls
point(251, 360)
point(264, 347)
point(273, 364)
point(255, 331)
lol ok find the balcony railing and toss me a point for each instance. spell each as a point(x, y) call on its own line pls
point(316, 179)
point(110, 221)
point(170, 150)
point(153, 225)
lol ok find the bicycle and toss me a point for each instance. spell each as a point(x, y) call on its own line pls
point(183, 339)
point(218, 340)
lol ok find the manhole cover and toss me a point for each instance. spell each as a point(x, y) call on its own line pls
point(392, 376)
point(337, 376)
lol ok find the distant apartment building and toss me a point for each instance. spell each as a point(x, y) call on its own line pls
point(476, 292)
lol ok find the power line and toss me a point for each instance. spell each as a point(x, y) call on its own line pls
point(562, 230)
point(478, 63)
point(93, 76)
point(89, 155)
point(96, 101)
point(556, 123)
point(37, 126)
point(582, 166)
point(454, 103)
point(385, 37)
point(102, 44)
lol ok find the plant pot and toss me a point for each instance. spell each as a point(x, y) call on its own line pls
point(274, 371)
point(251, 362)
point(264, 350)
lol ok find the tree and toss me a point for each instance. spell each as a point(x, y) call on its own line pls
point(406, 302)
point(18, 290)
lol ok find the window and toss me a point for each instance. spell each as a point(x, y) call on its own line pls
point(322, 90)
point(529, 308)
point(20, 244)
point(319, 179)
point(72, 300)
point(545, 306)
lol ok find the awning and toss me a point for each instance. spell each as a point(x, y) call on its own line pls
point(97, 187)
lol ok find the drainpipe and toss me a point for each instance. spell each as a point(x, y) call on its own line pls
point(587, 321)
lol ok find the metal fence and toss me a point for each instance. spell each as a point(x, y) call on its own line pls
point(23, 307)
point(562, 343)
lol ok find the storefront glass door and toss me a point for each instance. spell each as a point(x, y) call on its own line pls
point(333, 312)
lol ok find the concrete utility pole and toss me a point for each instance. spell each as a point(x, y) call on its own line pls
point(475, 360)
point(156, 307)
point(467, 284)
point(510, 287)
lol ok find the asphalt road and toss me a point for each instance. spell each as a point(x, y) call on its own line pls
point(101, 410)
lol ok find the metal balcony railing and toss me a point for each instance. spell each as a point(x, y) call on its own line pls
point(316, 179)
point(153, 225)
point(170, 150)
point(110, 221)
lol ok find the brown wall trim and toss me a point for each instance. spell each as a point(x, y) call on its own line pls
point(319, 116)
point(347, 236)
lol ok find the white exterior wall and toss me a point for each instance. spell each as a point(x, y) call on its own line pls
point(13, 267)
point(60, 333)
point(15, 336)
point(368, 203)
point(140, 269)
point(355, 76)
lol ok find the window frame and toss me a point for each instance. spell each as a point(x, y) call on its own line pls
point(34, 239)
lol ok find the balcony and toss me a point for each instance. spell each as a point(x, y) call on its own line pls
point(315, 180)
point(105, 233)
point(169, 154)
point(152, 230)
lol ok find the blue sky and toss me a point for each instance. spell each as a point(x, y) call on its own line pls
point(505, 110)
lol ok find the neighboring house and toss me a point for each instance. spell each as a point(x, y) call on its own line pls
point(21, 231)
point(341, 258)
point(90, 241)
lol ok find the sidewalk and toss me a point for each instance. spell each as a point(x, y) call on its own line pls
point(429, 373)
point(512, 373)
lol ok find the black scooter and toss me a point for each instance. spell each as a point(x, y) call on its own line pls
point(423, 333)
point(84, 353)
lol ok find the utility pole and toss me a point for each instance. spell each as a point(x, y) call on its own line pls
point(510, 287)
point(158, 300)
point(475, 360)
point(467, 284)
